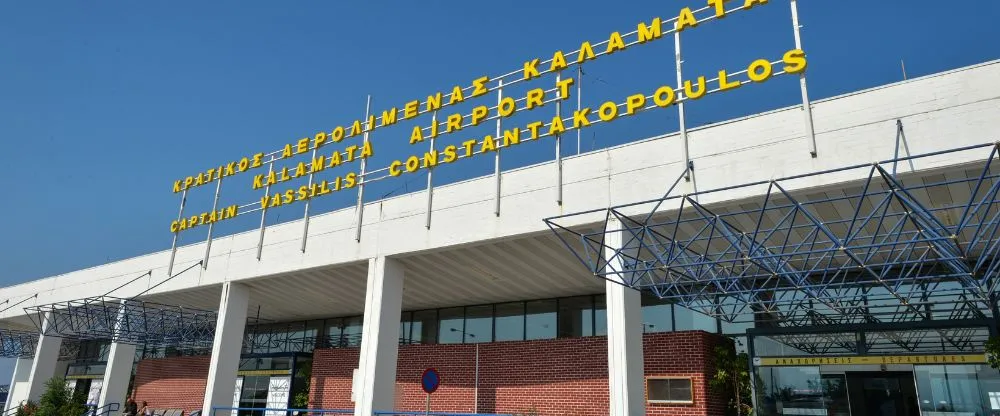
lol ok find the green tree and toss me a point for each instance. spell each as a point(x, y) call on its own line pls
point(57, 400)
point(300, 398)
point(993, 352)
point(732, 379)
point(29, 408)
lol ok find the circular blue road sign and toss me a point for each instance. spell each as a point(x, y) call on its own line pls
point(430, 380)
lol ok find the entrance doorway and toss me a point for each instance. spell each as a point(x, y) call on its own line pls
point(882, 393)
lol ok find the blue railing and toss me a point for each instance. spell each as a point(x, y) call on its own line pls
point(103, 410)
point(401, 413)
point(227, 411)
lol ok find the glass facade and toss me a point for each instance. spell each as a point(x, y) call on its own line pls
point(958, 389)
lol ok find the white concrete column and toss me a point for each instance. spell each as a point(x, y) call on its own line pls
point(43, 367)
point(119, 368)
point(376, 387)
point(625, 367)
point(18, 384)
point(226, 347)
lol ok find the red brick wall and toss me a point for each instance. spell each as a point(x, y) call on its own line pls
point(172, 383)
point(555, 377)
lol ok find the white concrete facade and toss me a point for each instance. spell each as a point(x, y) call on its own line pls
point(380, 337)
point(44, 366)
point(227, 346)
point(626, 380)
point(18, 392)
point(962, 106)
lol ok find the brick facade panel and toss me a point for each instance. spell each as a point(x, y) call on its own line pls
point(172, 383)
point(554, 377)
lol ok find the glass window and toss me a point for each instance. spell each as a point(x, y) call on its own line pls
point(510, 321)
point(957, 389)
point(334, 332)
point(479, 324)
point(669, 390)
point(425, 327)
point(352, 331)
point(835, 393)
point(540, 320)
point(657, 314)
point(576, 317)
point(689, 320)
point(600, 316)
point(451, 325)
point(790, 390)
point(405, 324)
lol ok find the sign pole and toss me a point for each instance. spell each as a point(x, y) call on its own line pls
point(173, 245)
point(496, 157)
point(680, 106)
point(360, 208)
point(430, 380)
point(559, 164)
point(806, 106)
point(263, 210)
point(579, 100)
point(430, 175)
point(211, 227)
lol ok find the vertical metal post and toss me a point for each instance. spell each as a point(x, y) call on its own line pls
point(559, 164)
point(211, 227)
point(263, 209)
point(430, 175)
point(496, 157)
point(680, 106)
point(579, 101)
point(752, 369)
point(305, 214)
point(173, 245)
point(427, 410)
point(359, 209)
point(806, 106)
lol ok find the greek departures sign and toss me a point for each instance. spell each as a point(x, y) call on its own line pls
point(334, 160)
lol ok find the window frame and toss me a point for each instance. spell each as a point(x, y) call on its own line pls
point(690, 381)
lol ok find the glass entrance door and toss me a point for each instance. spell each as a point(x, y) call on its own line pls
point(882, 393)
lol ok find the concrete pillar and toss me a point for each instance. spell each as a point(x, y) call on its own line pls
point(43, 367)
point(376, 384)
point(18, 384)
point(625, 367)
point(226, 347)
point(119, 368)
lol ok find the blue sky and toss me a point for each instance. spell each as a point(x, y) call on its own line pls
point(104, 104)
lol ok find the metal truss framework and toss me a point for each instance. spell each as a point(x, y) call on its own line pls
point(15, 343)
point(128, 321)
point(884, 248)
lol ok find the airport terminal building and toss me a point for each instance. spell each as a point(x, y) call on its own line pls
point(859, 278)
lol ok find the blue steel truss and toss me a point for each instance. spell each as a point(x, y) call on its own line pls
point(128, 321)
point(882, 248)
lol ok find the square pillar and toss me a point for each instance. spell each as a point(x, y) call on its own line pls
point(376, 385)
point(226, 347)
point(119, 368)
point(626, 380)
point(43, 367)
point(18, 390)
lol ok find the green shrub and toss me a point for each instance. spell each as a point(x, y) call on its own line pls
point(60, 401)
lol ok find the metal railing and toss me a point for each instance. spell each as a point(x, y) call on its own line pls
point(103, 410)
point(232, 411)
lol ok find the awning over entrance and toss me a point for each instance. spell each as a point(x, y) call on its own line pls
point(127, 321)
point(860, 244)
